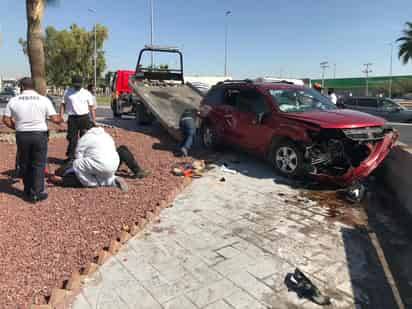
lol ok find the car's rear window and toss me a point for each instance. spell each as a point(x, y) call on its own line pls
point(368, 102)
point(214, 96)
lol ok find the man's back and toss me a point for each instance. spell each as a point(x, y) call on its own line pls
point(96, 149)
point(30, 111)
point(77, 101)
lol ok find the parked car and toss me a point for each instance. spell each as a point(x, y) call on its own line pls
point(299, 131)
point(382, 107)
point(6, 95)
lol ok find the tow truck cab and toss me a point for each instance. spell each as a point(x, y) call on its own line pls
point(122, 100)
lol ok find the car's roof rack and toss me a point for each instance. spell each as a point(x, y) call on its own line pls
point(250, 81)
point(235, 81)
point(161, 48)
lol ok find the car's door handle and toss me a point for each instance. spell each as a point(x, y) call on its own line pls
point(228, 116)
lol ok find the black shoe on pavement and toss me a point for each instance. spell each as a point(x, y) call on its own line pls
point(183, 152)
point(141, 174)
point(35, 198)
point(121, 184)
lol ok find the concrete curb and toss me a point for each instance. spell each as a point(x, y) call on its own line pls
point(62, 298)
point(396, 174)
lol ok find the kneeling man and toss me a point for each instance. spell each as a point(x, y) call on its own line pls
point(95, 164)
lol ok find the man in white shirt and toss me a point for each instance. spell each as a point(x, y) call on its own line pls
point(95, 164)
point(92, 90)
point(27, 113)
point(78, 103)
point(332, 96)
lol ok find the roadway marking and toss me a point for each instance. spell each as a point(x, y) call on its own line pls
point(400, 124)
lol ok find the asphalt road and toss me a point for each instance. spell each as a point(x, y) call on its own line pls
point(404, 129)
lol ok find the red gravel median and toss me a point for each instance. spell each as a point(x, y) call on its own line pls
point(42, 244)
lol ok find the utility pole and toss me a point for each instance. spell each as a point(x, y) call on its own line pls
point(151, 29)
point(367, 71)
point(95, 50)
point(324, 65)
point(390, 72)
point(334, 71)
point(227, 14)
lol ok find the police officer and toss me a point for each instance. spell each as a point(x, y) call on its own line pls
point(27, 114)
point(78, 103)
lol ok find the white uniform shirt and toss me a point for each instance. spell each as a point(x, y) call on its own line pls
point(333, 98)
point(96, 159)
point(77, 101)
point(94, 101)
point(30, 111)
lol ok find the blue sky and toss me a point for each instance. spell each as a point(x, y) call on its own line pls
point(266, 37)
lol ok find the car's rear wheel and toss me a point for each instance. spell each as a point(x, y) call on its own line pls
point(287, 158)
point(209, 136)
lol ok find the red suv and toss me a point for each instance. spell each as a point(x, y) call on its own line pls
point(295, 128)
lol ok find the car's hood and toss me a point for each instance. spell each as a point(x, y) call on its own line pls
point(337, 118)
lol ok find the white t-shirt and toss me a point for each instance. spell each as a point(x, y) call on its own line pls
point(333, 98)
point(94, 101)
point(30, 111)
point(77, 101)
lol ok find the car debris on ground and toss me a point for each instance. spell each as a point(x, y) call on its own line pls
point(302, 285)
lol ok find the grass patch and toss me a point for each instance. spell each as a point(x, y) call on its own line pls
point(104, 100)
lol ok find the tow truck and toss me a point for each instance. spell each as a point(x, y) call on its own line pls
point(162, 92)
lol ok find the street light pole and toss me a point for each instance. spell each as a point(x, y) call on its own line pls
point(324, 65)
point(367, 71)
point(95, 50)
point(334, 71)
point(151, 29)
point(390, 72)
point(228, 13)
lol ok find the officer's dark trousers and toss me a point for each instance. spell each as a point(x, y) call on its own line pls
point(127, 157)
point(76, 127)
point(32, 159)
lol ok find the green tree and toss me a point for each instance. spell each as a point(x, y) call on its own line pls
point(405, 47)
point(70, 51)
point(108, 78)
point(34, 46)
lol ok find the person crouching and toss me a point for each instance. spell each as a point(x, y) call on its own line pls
point(95, 164)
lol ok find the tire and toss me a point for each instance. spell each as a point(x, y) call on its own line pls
point(116, 113)
point(287, 158)
point(209, 137)
point(143, 117)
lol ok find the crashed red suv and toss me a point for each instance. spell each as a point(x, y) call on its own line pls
point(296, 129)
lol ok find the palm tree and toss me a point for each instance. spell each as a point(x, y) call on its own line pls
point(405, 48)
point(35, 51)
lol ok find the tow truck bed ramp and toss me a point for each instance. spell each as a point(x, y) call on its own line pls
point(167, 103)
point(163, 91)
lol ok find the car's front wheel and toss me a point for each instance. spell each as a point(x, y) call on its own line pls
point(287, 158)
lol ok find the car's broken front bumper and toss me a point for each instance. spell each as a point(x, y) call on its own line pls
point(378, 153)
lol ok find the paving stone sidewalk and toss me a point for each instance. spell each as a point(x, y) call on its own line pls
point(228, 242)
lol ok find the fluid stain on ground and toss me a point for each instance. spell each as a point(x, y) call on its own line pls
point(338, 209)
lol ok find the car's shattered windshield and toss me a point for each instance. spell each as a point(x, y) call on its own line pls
point(300, 100)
